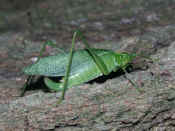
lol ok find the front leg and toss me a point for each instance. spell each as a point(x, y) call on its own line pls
point(132, 82)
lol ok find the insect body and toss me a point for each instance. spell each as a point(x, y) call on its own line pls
point(76, 67)
point(83, 68)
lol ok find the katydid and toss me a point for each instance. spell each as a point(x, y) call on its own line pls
point(78, 66)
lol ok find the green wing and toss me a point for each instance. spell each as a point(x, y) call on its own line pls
point(56, 65)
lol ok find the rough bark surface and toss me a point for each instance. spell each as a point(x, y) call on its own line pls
point(113, 105)
point(109, 103)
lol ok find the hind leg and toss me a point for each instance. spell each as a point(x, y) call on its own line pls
point(55, 86)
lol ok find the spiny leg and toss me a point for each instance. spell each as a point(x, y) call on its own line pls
point(101, 65)
point(65, 83)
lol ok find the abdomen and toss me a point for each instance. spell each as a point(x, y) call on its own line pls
point(88, 70)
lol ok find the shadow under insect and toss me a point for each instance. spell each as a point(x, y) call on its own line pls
point(104, 78)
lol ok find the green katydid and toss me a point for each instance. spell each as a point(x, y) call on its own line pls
point(78, 66)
